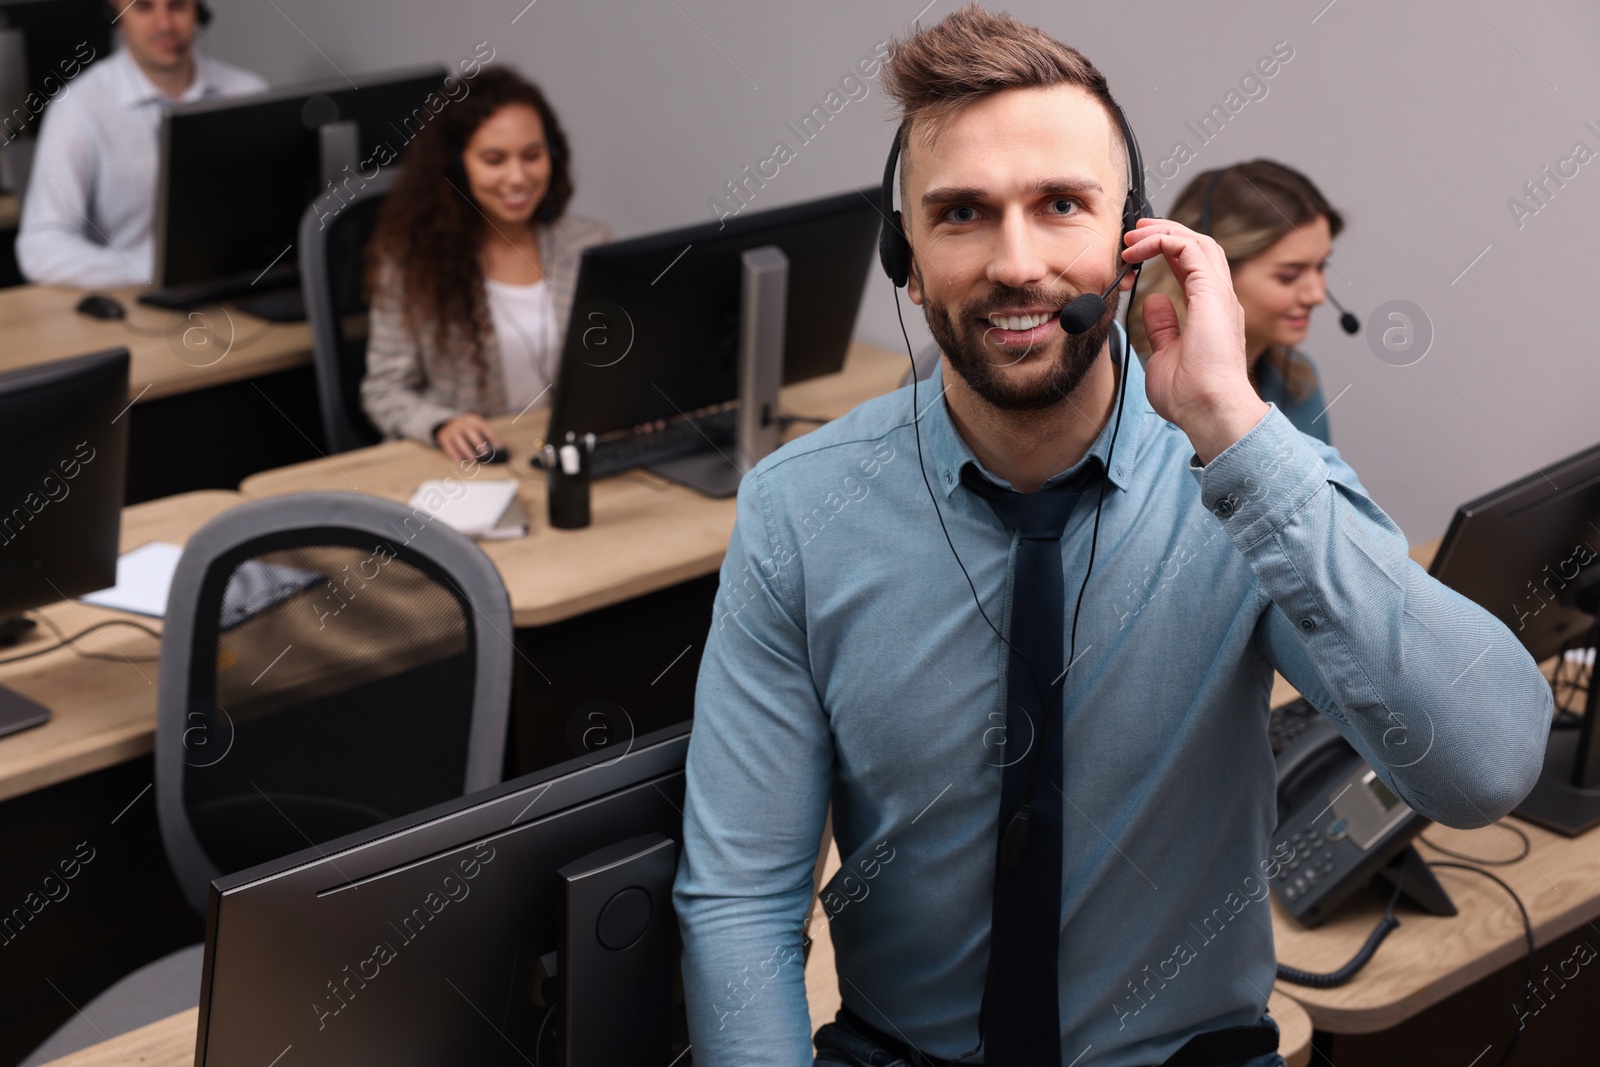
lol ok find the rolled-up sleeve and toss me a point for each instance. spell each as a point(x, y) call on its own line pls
point(1436, 693)
point(393, 390)
point(759, 775)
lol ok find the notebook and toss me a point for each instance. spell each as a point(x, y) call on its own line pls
point(486, 510)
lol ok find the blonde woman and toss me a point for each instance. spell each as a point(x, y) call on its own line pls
point(1277, 230)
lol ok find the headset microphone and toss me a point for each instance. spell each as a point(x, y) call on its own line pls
point(1349, 322)
point(1083, 311)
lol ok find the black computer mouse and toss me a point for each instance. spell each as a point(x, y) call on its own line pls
point(100, 306)
point(490, 454)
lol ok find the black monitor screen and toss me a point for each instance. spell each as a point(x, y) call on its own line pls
point(1526, 553)
point(237, 175)
point(443, 937)
point(60, 38)
point(64, 433)
point(654, 331)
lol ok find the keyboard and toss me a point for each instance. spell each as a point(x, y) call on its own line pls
point(1290, 721)
point(681, 437)
point(216, 290)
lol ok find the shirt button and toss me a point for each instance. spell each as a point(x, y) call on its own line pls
point(1308, 625)
point(1225, 507)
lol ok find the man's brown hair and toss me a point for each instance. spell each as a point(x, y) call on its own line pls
point(970, 54)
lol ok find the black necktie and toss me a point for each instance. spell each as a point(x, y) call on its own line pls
point(1023, 1027)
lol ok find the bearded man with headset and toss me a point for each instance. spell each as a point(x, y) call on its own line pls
point(1034, 789)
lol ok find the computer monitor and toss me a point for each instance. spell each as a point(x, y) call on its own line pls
point(530, 922)
point(44, 44)
point(237, 174)
point(1524, 553)
point(65, 440)
point(655, 327)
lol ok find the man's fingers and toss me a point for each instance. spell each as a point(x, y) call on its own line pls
point(1160, 321)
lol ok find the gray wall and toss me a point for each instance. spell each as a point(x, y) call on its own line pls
point(1419, 119)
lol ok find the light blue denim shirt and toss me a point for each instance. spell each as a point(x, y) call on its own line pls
point(847, 662)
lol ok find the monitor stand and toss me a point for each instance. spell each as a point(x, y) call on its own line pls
point(617, 962)
point(764, 298)
point(17, 712)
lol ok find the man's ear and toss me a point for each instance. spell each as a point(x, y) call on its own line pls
point(914, 282)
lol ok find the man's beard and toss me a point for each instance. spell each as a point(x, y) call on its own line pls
point(980, 364)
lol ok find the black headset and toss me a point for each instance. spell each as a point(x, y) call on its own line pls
point(1079, 314)
point(1348, 322)
point(894, 251)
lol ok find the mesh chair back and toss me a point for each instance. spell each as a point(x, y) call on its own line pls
point(329, 662)
point(333, 240)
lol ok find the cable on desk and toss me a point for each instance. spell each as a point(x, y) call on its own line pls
point(65, 641)
point(538, 1041)
point(140, 331)
point(1385, 927)
point(1527, 847)
point(1527, 930)
point(261, 331)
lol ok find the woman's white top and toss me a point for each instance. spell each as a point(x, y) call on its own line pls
point(525, 332)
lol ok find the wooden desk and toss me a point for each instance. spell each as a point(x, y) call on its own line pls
point(171, 352)
point(104, 709)
point(647, 533)
point(167, 1043)
point(1431, 957)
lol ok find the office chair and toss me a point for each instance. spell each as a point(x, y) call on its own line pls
point(333, 244)
point(329, 661)
point(927, 360)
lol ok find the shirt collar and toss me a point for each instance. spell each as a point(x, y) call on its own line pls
point(136, 89)
point(949, 451)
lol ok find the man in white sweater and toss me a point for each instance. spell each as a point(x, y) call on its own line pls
point(89, 215)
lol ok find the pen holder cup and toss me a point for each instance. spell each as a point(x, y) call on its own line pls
point(569, 489)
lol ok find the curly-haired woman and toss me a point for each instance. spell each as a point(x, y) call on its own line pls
point(472, 269)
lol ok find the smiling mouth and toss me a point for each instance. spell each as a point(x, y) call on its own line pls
point(1030, 329)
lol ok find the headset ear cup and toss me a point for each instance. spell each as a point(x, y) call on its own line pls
point(894, 252)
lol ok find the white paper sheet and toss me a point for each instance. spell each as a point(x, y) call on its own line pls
point(474, 508)
point(144, 576)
